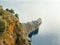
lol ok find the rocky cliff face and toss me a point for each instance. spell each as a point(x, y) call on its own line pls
point(31, 26)
point(12, 31)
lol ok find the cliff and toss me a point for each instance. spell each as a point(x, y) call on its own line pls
point(12, 31)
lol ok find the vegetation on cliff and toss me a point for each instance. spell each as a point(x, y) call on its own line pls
point(11, 31)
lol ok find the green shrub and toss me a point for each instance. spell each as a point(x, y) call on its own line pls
point(12, 11)
point(7, 9)
point(2, 26)
point(1, 12)
point(17, 16)
point(23, 40)
point(18, 39)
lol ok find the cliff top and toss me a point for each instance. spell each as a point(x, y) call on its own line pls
point(11, 31)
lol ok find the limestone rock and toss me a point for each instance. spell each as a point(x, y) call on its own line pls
point(12, 31)
point(31, 26)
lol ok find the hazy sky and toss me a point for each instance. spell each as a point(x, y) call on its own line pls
point(47, 10)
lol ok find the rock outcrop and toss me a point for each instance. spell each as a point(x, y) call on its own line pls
point(12, 31)
point(31, 26)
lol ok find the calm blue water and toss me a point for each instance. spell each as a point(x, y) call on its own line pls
point(46, 39)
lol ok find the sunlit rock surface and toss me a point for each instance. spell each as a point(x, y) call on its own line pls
point(31, 26)
point(12, 31)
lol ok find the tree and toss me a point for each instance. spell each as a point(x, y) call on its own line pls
point(12, 11)
point(7, 9)
point(17, 16)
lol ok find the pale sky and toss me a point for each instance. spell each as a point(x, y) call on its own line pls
point(47, 10)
